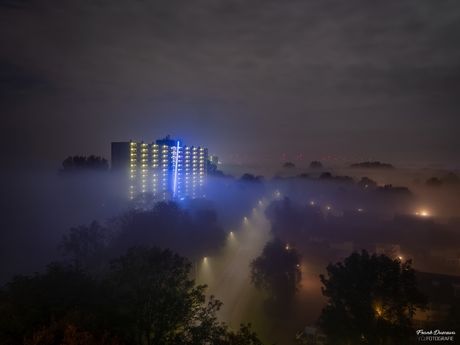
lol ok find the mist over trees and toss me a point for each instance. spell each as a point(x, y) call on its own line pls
point(191, 230)
point(289, 220)
point(299, 208)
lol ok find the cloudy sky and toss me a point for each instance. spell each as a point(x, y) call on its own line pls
point(372, 79)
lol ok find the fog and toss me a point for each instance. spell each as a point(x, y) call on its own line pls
point(40, 207)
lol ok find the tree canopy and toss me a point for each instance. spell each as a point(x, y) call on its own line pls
point(371, 300)
point(288, 165)
point(147, 298)
point(372, 165)
point(83, 164)
point(316, 165)
point(277, 270)
point(251, 178)
point(367, 183)
point(289, 219)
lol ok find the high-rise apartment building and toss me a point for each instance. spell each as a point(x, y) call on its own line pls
point(166, 168)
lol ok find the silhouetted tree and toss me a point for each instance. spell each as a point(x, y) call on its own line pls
point(372, 165)
point(316, 165)
point(162, 306)
point(367, 183)
point(451, 178)
point(325, 175)
point(147, 299)
point(251, 178)
point(371, 300)
point(433, 182)
point(83, 164)
point(388, 188)
point(143, 201)
point(303, 176)
point(45, 304)
point(288, 220)
point(288, 165)
point(87, 243)
point(244, 336)
point(277, 270)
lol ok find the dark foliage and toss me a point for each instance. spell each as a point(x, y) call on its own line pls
point(251, 178)
point(288, 219)
point(371, 300)
point(277, 270)
point(288, 165)
point(316, 165)
point(451, 178)
point(367, 183)
point(87, 244)
point(78, 164)
point(372, 165)
point(47, 303)
point(433, 182)
point(146, 299)
point(190, 230)
point(388, 188)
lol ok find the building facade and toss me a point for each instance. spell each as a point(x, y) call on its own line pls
point(165, 168)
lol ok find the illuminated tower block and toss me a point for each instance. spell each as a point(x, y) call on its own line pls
point(165, 168)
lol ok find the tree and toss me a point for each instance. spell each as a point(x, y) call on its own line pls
point(389, 189)
point(433, 182)
point(325, 175)
point(288, 219)
point(451, 178)
point(316, 165)
point(244, 336)
point(148, 299)
point(303, 176)
point(372, 165)
point(371, 300)
point(42, 306)
point(83, 163)
point(155, 295)
point(86, 243)
point(143, 201)
point(277, 270)
point(251, 178)
point(288, 165)
point(367, 183)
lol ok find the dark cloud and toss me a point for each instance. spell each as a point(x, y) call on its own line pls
point(266, 71)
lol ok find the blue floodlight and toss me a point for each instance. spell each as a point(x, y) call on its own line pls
point(175, 168)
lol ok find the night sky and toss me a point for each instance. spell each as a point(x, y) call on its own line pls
point(370, 79)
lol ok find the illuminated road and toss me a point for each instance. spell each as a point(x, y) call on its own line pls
point(232, 285)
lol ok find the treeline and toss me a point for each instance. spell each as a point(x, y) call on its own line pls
point(450, 179)
point(372, 165)
point(78, 164)
point(190, 229)
point(115, 286)
point(145, 297)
